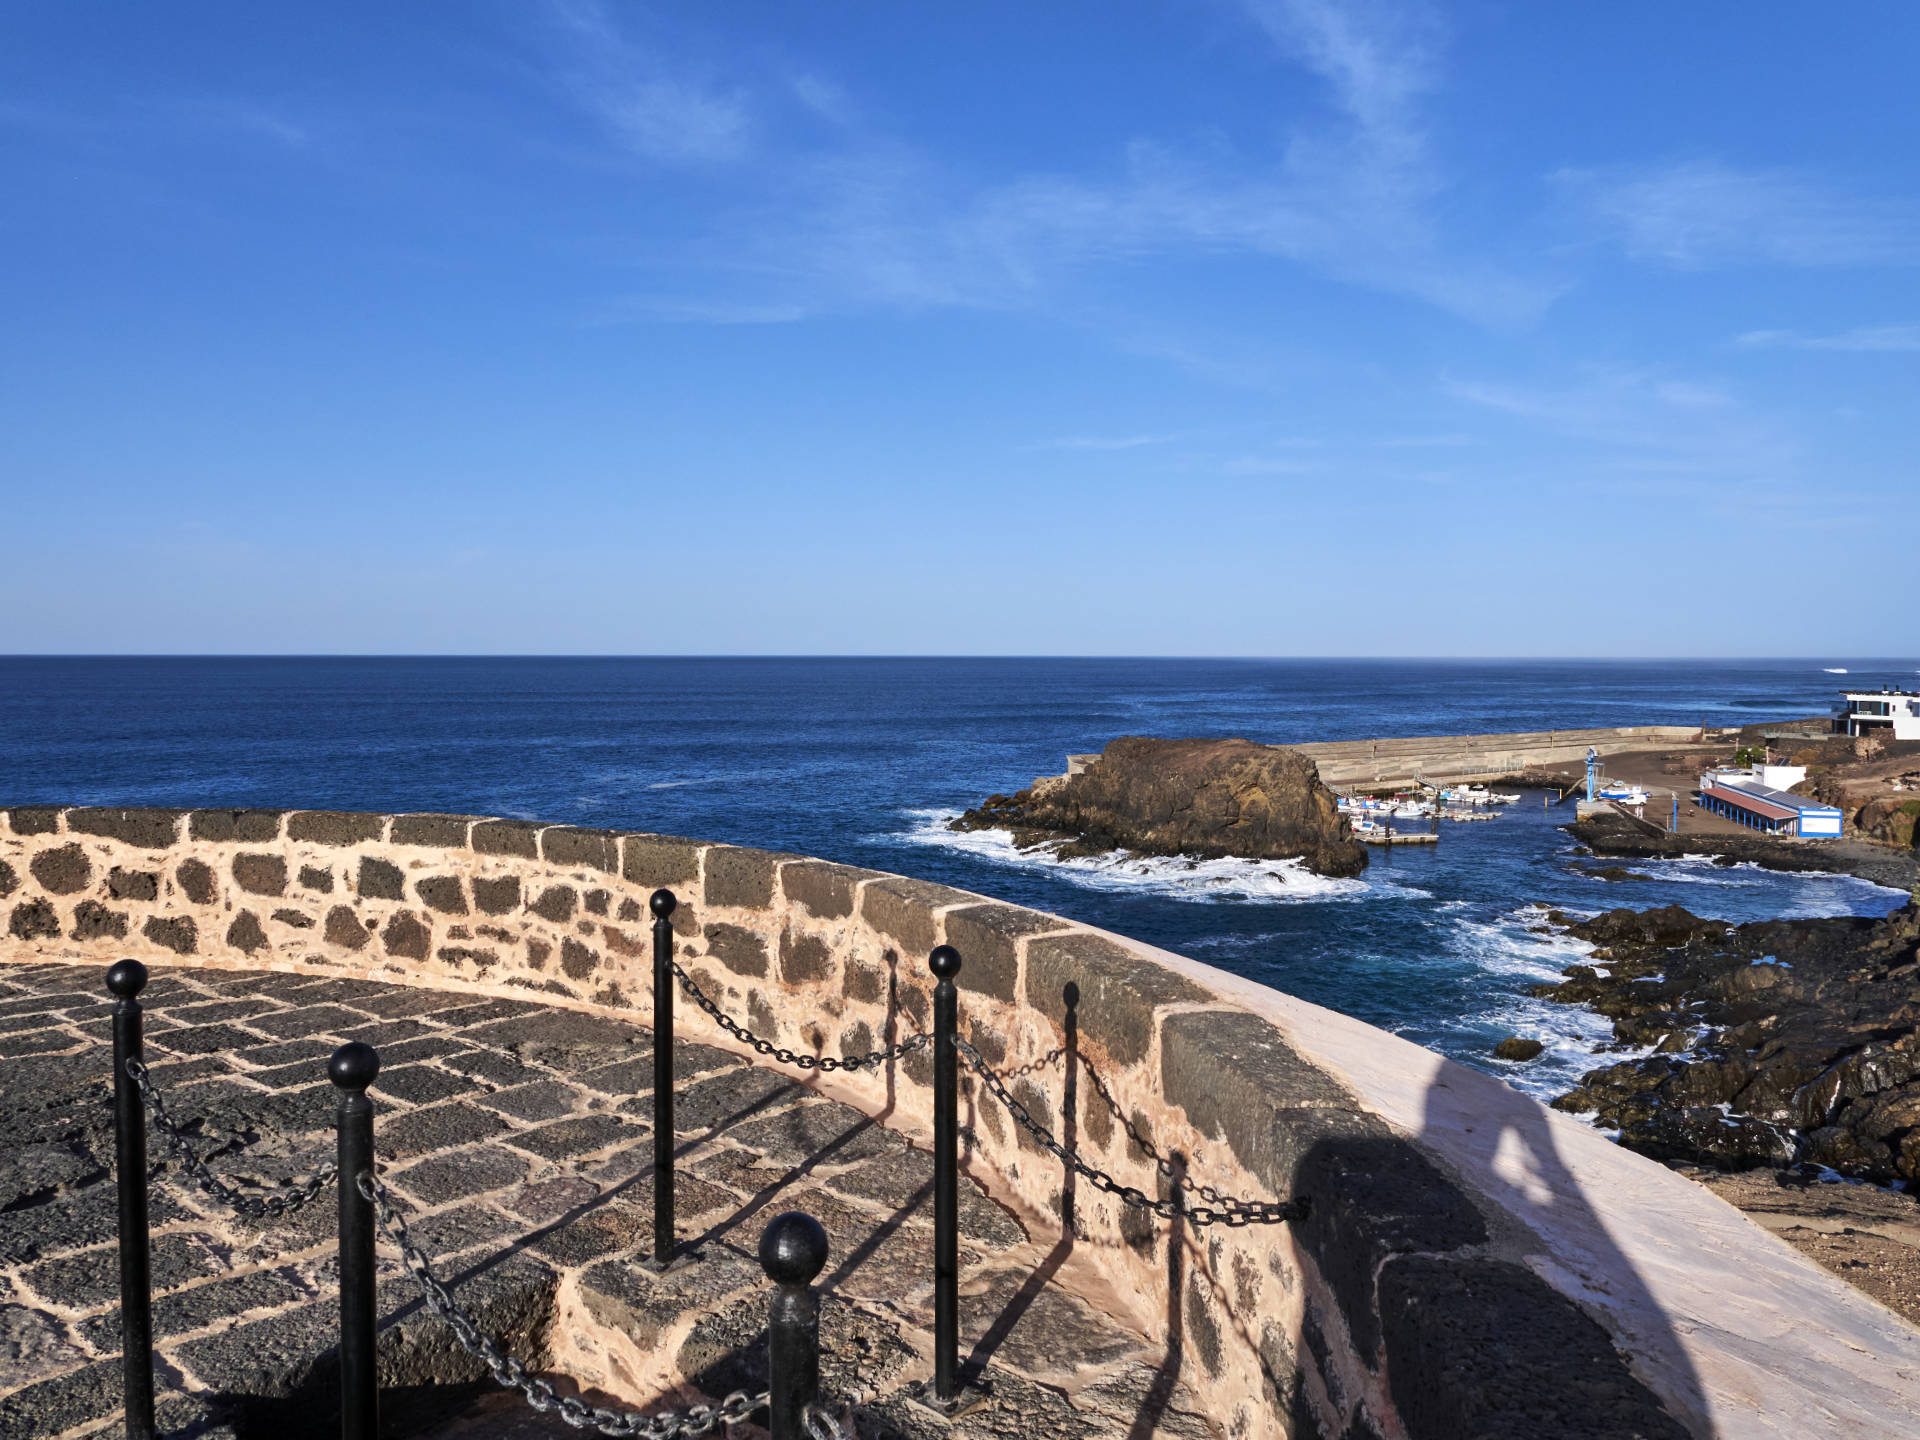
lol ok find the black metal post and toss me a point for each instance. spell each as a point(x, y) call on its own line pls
point(352, 1068)
point(945, 964)
point(793, 1248)
point(662, 905)
point(126, 980)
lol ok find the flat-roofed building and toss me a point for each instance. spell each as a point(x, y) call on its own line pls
point(1895, 713)
point(1745, 798)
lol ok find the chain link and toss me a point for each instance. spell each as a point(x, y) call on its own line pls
point(512, 1373)
point(260, 1207)
point(1219, 1209)
point(872, 1060)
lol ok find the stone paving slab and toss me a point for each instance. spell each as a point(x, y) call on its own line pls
point(518, 1138)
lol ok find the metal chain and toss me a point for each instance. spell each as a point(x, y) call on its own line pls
point(821, 1423)
point(260, 1207)
point(512, 1373)
point(1221, 1209)
point(872, 1060)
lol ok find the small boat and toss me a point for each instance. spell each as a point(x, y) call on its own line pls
point(1623, 793)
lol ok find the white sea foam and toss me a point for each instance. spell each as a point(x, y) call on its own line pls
point(1265, 882)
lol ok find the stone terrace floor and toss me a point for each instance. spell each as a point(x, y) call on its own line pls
point(519, 1137)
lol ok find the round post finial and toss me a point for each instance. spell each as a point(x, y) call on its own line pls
point(944, 961)
point(662, 903)
point(353, 1066)
point(127, 978)
point(793, 1248)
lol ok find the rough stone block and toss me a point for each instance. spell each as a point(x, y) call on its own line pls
point(335, 827)
point(506, 837)
point(1488, 1348)
point(903, 910)
point(64, 871)
point(497, 897)
point(380, 880)
point(312, 877)
point(343, 927)
point(177, 935)
point(741, 877)
point(442, 893)
point(737, 948)
point(657, 861)
point(133, 884)
point(298, 919)
point(245, 933)
point(244, 827)
point(260, 874)
point(149, 829)
point(804, 958)
point(1119, 990)
point(406, 937)
point(595, 849)
point(576, 960)
point(196, 879)
point(987, 937)
point(9, 882)
point(94, 921)
point(446, 831)
point(34, 819)
point(556, 903)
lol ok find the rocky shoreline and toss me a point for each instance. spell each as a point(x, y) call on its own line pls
point(1618, 835)
point(1775, 1043)
point(1209, 799)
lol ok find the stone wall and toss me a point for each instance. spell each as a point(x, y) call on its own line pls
point(1421, 1299)
point(1485, 757)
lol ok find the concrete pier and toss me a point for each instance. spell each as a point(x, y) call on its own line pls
point(1462, 758)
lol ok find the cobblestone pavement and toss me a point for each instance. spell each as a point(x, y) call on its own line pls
point(518, 1138)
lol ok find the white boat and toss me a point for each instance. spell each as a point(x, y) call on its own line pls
point(1624, 793)
point(1413, 810)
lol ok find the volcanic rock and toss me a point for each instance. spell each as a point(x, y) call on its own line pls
point(1204, 798)
point(1515, 1047)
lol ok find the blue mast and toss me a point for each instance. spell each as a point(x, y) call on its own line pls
point(1593, 773)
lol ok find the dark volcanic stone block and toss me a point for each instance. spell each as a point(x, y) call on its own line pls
point(313, 877)
point(245, 933)
point(655, 861)
point(455, 1177)
point(437, 1128)
point(299, 920)
point(596, 849)
point(34, 819)
point(149, 829)
point(506, 837)
point(94, 921)
point(804, 958)
point(63, 1403)
point(380, 880)
point(442, 893)
point(986, 937)
point(423, 1084)
point(447, 831)
point(497, 897)
point(556, 903)
point(133, 884)
point(177, 935)
point(741, 877)
point(9, 881)
point(826, 890)
point(739, 949)
point(406, 937)
point(578, 1136)
point(903, 909)
point(196, 879)
point(1489, 1349)
point(1119, 990)
point(343, 927)
point(260, 874)
point(335, 827)
point(244, 827)
point(63, 871)
point(577, 961)
point(826, 1134)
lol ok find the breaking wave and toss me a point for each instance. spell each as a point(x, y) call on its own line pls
point(1177, 877)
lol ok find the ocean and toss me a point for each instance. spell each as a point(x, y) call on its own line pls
point(862, 760)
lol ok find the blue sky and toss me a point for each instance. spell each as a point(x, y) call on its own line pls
point(1197, 327)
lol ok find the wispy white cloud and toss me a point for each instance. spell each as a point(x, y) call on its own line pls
point(1110, 442)
point(1699, 212)
point(1865, 338)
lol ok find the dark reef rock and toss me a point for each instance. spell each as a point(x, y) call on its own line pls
point(1620, 835)
point(1518, 1048)
point(1774, 1043)
point(1205, 798)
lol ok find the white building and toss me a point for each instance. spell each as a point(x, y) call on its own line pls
point(1864, 712)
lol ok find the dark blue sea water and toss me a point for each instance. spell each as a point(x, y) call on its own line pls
point(859, 760)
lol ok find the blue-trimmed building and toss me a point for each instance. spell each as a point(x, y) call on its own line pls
point(1742, 798)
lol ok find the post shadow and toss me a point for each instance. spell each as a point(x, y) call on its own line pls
point(1153, 1408)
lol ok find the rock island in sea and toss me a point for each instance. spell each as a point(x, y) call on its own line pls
point(1210, 799)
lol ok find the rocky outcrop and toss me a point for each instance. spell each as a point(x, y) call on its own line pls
point(1205, 798)
point(1617, 834)
point(1775, 1043)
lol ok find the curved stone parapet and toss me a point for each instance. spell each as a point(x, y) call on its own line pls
point(1474, 1265)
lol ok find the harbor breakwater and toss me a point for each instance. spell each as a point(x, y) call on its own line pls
point(1473, 1263)
point(1348, 764)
